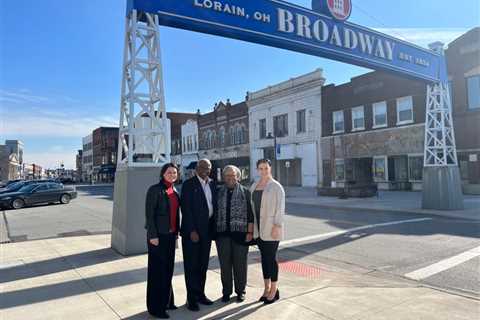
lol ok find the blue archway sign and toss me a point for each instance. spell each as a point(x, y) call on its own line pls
point(284, 25)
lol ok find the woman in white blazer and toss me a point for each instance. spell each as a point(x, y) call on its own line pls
point(268, 203)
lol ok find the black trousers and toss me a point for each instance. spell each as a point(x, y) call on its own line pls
point(161, 262)
point(196, 256)
point(232, 257)
point(268, 252)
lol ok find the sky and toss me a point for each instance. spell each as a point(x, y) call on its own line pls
point(60, 64)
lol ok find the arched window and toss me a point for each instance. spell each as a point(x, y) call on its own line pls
point(209, 143)
point(222, 137)
point(214, 140)
point(232, 136)
point(205, 140)
point(239, 134)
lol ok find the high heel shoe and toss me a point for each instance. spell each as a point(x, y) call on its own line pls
point(277, 296)
point(262, 299)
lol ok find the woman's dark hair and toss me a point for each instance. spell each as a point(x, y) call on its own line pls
point(166, 167)
point(267, 161)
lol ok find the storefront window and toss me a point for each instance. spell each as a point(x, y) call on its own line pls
point(339, 170)
point(415, 165)
point(380, 168)
point(464, 169)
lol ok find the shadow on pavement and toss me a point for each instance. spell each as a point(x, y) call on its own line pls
point(102, 282)
point(236, 313)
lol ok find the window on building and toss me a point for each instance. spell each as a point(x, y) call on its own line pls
point(473, 92)
point(222, 137)
point(358, 118)
point(214, 140)
point(450, 92)
point(301, 121)
point(338, 122)
point(405, 110)
point(380, 168)
point(280, 125)
point(263, 128)
point(205, 140)
point(463, 164)
point(380, 114)
point(239, 135)
point(339, 170)
point(232, 136)
point(209, 140)
point(415, 168)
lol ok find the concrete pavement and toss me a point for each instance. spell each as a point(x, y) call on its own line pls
point(82, 278)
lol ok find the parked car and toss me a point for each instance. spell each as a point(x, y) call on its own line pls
point(4, 184)
point(37, 193)
point(13, 187)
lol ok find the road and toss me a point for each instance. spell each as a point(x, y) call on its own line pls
point(440, 252)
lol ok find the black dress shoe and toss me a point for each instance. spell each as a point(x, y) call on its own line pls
point(277, 296)
point(193, 306)
point(172, 307)
point(226, 299)
point(240, 297)
point(205, 301)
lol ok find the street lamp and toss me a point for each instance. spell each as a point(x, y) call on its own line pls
point(270, 136)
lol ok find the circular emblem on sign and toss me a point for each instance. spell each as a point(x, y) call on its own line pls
point(340, 9)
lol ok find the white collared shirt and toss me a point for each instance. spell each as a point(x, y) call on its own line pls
point(208, 194)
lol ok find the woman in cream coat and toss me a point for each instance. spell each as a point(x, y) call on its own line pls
point(268, 203)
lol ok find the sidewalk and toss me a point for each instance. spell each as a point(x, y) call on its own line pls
point(82, 278)
point(387, 201)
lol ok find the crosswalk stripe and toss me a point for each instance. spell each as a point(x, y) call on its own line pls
point(340, 232)
point(443, 265)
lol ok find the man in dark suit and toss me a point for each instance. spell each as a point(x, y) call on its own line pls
point(198, 203)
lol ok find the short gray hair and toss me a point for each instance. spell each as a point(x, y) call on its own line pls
point(232, 168)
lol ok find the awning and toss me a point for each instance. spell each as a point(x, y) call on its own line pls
point(109, 169)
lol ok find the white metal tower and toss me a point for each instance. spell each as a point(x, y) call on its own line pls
point(144, 134)
point(440, 147)
point(441, 176)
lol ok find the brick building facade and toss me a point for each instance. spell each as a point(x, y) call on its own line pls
point(373, 131)
point(373, 126)
point(105, 149)
point(223, 137)
point(463, 59)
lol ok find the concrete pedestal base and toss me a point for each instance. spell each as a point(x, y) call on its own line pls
point(442, 188)
point(128, 222)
